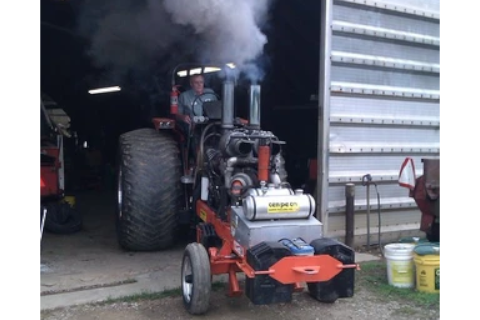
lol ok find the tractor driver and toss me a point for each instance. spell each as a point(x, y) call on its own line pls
point(190, 102)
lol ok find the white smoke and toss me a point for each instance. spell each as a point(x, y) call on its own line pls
point(131, 34)
point(128, 36)
point(231, 29)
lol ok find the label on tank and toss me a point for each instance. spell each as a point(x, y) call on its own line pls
point(279, 207)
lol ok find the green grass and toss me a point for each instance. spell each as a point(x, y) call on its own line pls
point(373, 277)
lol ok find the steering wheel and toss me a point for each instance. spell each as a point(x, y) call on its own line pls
point(199, 98)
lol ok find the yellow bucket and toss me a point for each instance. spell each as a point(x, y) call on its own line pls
point(70, 200)
point(427, 267)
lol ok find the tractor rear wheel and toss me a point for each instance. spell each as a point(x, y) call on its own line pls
point(148, 190)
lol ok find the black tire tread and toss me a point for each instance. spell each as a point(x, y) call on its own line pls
point(202, 286)
point(151, 189)
point(62, 218)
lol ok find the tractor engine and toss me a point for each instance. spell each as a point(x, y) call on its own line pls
point(251, 219)
point(243, 166)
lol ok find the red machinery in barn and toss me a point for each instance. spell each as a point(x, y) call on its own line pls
point(57, 214)
point(425, 190)
point(50, 171)
point(49, 180)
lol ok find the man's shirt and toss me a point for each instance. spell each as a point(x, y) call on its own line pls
point(186, 99)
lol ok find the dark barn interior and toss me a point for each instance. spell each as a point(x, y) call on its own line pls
point(75, 58)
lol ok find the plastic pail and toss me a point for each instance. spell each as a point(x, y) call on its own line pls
point(427, 265)
point(400, 267)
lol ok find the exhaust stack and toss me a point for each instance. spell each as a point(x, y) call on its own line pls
point(254, 111)
point(228, 104)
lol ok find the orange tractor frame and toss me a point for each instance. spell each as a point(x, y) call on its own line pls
point(295, 270)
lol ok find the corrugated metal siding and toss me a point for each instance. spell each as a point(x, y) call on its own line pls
point(382, 105)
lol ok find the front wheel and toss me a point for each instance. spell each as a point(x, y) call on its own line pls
point(196, 279)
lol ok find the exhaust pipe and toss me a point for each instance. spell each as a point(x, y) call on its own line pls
point(228, 104)
point(254, 111)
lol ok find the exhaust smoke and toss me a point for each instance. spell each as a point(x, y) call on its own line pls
point(135, 37)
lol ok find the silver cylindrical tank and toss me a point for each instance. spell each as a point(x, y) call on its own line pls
point(271, 190)
point(268, 207)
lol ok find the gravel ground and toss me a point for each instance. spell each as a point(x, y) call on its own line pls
point(92, 257)
point(363, 305)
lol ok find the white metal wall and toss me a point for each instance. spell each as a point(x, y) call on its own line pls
point(379, 103)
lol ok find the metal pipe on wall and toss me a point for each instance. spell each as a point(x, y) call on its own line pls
point(349, 213)
point(323, 151)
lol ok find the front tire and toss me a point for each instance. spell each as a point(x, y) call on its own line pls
point(148, 190)
point(196, 279)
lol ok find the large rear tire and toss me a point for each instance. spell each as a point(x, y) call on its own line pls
point(148, 190)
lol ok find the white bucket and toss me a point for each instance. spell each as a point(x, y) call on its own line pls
point(400, 265)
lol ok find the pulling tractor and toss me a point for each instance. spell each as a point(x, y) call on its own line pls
point(232, 188)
